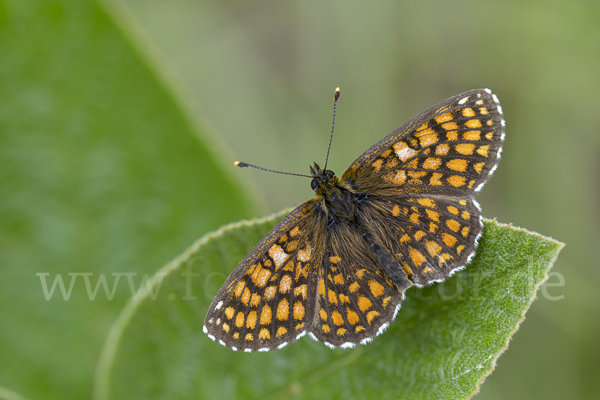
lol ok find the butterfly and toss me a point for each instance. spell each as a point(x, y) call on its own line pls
point(402, 214)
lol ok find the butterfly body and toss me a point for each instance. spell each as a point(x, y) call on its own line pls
point(402, 214)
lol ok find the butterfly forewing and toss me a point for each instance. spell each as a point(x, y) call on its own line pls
point(451, 149)
point(268, 300)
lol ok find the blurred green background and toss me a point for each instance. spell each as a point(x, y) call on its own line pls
point(117, 143)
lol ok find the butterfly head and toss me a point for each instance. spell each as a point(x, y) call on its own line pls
point(321, 177)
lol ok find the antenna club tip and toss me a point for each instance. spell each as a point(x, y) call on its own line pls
point(239, 164)
point(336, 94)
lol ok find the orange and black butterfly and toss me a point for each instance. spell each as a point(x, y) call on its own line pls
point(401, 214)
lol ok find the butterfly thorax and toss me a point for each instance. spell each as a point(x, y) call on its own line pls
point(337, 199)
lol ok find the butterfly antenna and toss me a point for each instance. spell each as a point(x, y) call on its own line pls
point(336, 98)
point(246, 165)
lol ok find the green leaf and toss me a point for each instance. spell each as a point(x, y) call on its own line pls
point(101, 172)
point(444, 342)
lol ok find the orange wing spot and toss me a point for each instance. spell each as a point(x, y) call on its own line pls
point(265, 315)
point(432, 163)
point(352, 316)
point(304, 255)
point(249, 337)
point(301, 271)
point(435, 179)
point(251, 320)
point(270, 292)
point(483, 150)
point(471, 183)
point(466, 215)
point(456, 181)
point(434, 215)
point(417, 258)
point(432, 227)
point(377, 165)
point(322, 287)
point(332, 297)
point(453, 210)
point(465, 148)
point(255, 300)
point(339, 279)
point(419, 235)
point(453, 225)
point(364, 303)
point(405, 238)
point(226, 328)
point(386, 153)
point(371, 315)
point(264, 334)
point(415, 175)
point(443, 258)
point(239, 319)
point(489, 123)
point(285, 285)
point(428, 140)
point(479, 103)
point(335, 259)
point(278, 255)
point(288, 267)
point(267, 263)
point(468, 112)
point(236, 335)
point(229, 311)
point(433, 248)
point(427, 202)
point(300, 326)
point(376, 288)
point(398, 178)
point(414, 218)
point(473, 123)
point(440, 119)
point(465, 231)
point(395, 211)
point(478, 167)
point(425, 131)
point(325, 328)
point(281, 331)
point(299, 310)
point(452, 135)
point(344, 299)
point(462, 202)
point(424, 126)
point(337, 318)
point(291, 246)
point(283, 310)
point(359, 328)
point(360, 273)
point(403, 151)
point(341, 332)
point(448, 239)
point(472, 135)
point(483, 111)
point(442, 149)
point(427, 270)
point(246, 296)
point(218, 322)
point(407, 269)
point(386, 301)
point(354, 287)
point(251, 269)
point(274, 277)
point(294, 231)
point(239, 288)
point(323, 314)
point(283, 238)
point(459, 165)
point(450, 126)
point(262, 278)
point(459, 249)
point(489, 135)
point(301, 291)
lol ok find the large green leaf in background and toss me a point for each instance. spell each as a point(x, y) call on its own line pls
point(100, 172)
point(444, 342)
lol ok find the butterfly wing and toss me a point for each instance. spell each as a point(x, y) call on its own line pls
point(421, 179)
point(263, 303)
point(450, 149)
point(354, 300)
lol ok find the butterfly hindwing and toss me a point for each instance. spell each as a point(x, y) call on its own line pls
point(268, 300)
point(450, 149)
